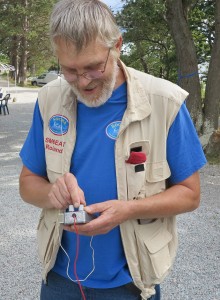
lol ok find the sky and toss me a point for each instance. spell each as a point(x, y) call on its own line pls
point(114, 4)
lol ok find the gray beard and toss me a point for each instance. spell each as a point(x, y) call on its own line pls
point(106, 93)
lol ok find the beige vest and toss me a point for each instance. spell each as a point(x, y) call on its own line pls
point(152, 106)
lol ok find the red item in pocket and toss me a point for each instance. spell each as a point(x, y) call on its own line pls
point(136, 158)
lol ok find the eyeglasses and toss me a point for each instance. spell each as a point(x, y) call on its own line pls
point(90, 75)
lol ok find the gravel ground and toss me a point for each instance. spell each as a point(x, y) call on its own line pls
point(195, 275)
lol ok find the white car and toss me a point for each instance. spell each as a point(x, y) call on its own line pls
point(44, 78)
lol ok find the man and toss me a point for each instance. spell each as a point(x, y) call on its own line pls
point(114, 140)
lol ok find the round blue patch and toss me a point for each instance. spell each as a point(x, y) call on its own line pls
point(58, 125)
point(112, 129)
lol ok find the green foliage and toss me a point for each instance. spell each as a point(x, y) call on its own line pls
point(149, 45)
point(202, 25)
point(4, 59)
point(151, 48)
point(26, 19)
point(41, 55)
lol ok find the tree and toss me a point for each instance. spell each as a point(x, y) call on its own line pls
point(212, 96)
point(22, 73)
point(169, 38)
point(15, 37)
point(202, 26)
point(146, 34)
point(41, 55)
point(177, 18)
point(25, 38)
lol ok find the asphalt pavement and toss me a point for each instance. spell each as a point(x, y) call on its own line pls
point(195, 275)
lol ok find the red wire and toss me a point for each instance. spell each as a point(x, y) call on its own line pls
point(76, 258)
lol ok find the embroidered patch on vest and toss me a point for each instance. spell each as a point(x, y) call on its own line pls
point(58, 125)
point(112, 130)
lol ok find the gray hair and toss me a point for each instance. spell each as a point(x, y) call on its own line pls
point(83, 21)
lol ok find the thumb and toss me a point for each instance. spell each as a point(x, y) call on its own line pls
point(95, 208)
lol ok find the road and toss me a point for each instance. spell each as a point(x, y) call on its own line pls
point(196, 271)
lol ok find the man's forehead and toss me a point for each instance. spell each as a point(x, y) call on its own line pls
point(89, 56)
point(68, 47)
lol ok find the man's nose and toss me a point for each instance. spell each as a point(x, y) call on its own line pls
point(82, 81)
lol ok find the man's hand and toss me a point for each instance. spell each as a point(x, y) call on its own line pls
point(112, 213)
point(65, 191)
point(37, 190)
point(177, 199)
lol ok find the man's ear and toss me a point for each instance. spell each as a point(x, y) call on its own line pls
point(118, 45)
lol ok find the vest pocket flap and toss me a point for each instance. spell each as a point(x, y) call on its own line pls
point(159, 241)
point(157, 171)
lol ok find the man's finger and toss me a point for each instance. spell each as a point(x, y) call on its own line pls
point(76, 193)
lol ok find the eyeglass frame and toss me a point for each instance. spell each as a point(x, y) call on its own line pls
point(100, 72)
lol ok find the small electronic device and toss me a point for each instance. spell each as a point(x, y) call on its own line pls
point(75, 216)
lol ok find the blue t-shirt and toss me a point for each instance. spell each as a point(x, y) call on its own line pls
point(93, 165)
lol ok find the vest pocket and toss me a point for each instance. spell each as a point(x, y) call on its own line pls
point(156, 175)
point(157, 171)
point(45, 232)
point(136, 173)
point(135, 180)
point(153, 248)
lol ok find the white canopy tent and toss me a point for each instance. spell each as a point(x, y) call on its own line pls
point(7, 68)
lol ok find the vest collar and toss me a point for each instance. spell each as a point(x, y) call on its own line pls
point(138, 105)
point(68, 96)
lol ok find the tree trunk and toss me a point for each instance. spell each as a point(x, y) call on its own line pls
point(24, 52)
point(14, 55)
point(188, 77)
point(212, 149)
point(212, 96)
point(23, 62)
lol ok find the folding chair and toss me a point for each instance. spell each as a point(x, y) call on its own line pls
point(4, 104)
